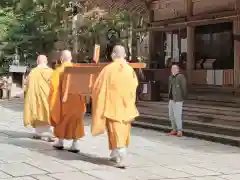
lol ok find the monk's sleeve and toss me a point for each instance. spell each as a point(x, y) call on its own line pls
point(54, 98)
point(132, 87)
point(98, 103)
point(65, 95)
point(135, 79)
point(136, 83)
point(28, 104)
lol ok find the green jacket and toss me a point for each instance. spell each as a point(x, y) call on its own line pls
point(177, 87)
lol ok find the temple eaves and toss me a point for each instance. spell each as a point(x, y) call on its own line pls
point(134, 6)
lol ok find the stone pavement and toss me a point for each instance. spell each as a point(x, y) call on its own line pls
point(152, 155)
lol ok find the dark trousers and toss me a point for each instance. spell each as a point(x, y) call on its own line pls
point(8, 94)
point(1, 93)
point(89, 107)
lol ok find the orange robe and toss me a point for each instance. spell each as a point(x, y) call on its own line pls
point(113, 103)
point(67, 117)
point(36, 108)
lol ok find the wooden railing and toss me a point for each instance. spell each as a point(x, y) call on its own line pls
point(199, 77)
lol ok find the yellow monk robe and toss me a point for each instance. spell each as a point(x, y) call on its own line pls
point(67, 117)
point(113, 103)
point(36, 107)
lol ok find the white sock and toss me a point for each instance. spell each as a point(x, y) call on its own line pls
point(74, 144)
point(60, 142)
point(113, 153)
point(44, 131)
point(122, 152)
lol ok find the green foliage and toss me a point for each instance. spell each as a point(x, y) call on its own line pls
point(95, 25)
point(32, 26)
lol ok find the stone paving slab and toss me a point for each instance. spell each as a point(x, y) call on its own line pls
point(152, 155)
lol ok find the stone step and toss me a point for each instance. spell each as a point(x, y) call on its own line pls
point(200, 119)
point(230, 140)
point(213, 89)
point(204, 116)
point(157, 105)
point(201, 114)
point(214, 103)
point(194, 125)
point(163, 107)
point(210, 99)
point(188, 110)
point(210, 117)
point(204, 103)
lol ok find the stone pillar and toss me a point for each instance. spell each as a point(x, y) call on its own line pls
point(190, 53)
point(236, 32)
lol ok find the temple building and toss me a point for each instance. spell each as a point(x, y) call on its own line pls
point(201, 35)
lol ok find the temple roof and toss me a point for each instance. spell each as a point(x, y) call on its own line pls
point(134, 6)
point(101, 8)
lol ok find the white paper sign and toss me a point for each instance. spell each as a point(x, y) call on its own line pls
point(145, 89)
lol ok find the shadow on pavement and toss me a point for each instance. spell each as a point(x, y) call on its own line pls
point(17, 134)
point(16, 105)
point(95, 160)
point(24, 140)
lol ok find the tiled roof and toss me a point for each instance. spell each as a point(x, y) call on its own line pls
point(135, 6)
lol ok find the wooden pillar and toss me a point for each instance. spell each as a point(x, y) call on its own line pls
point(189, 7)
point(236, 32)
point(190, 52)
point(190, 42)
point(151, 38)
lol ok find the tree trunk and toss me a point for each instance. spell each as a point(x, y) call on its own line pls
point(130, 38)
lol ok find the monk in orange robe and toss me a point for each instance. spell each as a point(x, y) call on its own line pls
point(66, 110)
point(36, 107)
point(113, 104)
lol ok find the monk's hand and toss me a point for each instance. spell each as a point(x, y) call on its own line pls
point(64, 99)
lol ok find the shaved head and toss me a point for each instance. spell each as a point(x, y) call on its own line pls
point(118, 52)
point(66, 56)
point(42, 59)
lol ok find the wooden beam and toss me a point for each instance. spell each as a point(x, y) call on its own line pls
point(193, 23)
point(189, 7)
point(194, 18)
point(212, 15)
point(166, 22)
